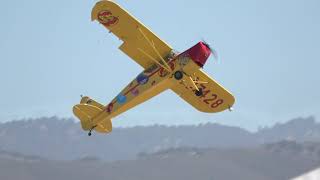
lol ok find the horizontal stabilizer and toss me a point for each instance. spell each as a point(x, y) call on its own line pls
point(87, 113)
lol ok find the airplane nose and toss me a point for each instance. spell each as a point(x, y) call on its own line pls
point(200, 53)
point(207, 46)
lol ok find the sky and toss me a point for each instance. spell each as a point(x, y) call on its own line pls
point(51, 53)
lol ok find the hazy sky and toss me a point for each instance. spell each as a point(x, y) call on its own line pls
point(50, 53)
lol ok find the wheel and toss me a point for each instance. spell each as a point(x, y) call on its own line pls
point(89, 134)
point(199, 93)
point(178, 75)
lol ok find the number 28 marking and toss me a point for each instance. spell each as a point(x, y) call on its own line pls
point(207, 101)
point(213, 101)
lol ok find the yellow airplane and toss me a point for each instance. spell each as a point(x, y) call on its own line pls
point(163, 69)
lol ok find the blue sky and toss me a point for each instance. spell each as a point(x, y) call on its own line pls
point(50, 53)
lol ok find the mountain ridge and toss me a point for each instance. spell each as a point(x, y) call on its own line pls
point(63, 139)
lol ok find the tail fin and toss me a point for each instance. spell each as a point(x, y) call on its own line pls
point(89, 109)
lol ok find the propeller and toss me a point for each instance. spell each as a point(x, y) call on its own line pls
point(213, 51)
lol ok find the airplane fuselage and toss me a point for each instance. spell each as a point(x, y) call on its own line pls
point(156, 79)
point(163, 70)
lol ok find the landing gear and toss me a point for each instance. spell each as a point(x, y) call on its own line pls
point(90, 131)
point(199, 92)
point(178, 75)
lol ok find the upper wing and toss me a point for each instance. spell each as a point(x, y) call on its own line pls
point(137, 39)
point(214, 99)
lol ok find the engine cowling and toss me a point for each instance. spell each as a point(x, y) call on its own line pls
point(199, 53)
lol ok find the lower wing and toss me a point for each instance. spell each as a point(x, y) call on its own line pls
point(213, 98)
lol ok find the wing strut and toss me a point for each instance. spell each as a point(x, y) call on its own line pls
point(195, 82)
point(151, 58)
point(151, 43)
point(201, 82)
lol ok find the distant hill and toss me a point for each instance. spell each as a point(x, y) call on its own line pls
point(293, 149)
point(5, 155)
point(269, 162)
point(63, 139)
point(299, 129)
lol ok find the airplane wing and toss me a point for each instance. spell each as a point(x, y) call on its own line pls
point(214, 99)
point(139, 42)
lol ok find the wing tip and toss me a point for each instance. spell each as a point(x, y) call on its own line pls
point(100, 5)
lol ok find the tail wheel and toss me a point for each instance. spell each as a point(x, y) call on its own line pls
point(178, 75)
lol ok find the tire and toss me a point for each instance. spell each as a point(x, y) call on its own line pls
point(199, 93)
point(178, 75)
